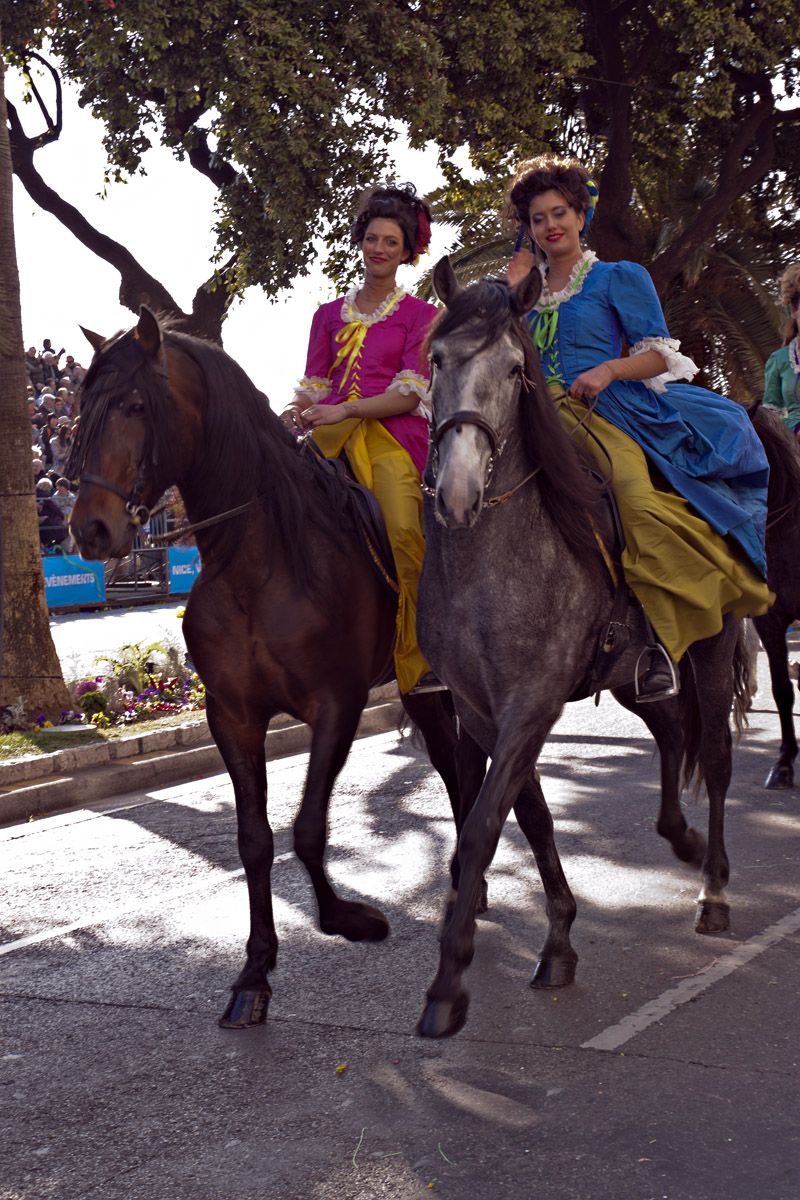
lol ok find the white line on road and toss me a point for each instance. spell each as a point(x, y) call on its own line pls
point(616, 1035)
point(115, 914)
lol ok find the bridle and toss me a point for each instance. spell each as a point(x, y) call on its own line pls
point(466, 416)
point(139, 514)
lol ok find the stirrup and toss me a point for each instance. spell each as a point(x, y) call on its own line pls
point(654, 649)
point(428, 684)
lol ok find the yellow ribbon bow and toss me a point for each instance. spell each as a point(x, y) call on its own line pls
point(351, 338)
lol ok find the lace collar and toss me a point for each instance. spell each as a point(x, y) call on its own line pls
point(794, 355)
point(577, 278)
point(350, 312)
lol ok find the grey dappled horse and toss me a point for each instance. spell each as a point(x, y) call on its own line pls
point(512, 606)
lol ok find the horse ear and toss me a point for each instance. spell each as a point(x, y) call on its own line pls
point(148, 331)
point(527, 291)
point(95, 340)
point(445, 283)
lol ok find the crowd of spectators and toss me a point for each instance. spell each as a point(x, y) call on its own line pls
point(53, 398)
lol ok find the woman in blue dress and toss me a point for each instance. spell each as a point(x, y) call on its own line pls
point(688, 472)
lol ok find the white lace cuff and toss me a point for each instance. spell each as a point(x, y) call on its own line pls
point(312, 388)
point(678, 365)
point(410, 383)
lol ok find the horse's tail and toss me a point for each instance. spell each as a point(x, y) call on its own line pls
point(692, 768)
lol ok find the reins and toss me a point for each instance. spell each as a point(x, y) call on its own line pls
point(782, 512)
point(185, 530)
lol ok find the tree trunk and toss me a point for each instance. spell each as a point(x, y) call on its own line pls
point(30, 673)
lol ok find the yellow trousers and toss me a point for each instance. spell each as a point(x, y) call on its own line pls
point(685, 575)
point(381, 464)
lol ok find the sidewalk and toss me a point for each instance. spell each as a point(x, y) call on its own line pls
point(49, 783)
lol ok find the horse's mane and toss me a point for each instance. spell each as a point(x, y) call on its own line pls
point(780, 446)
point(244, 452)
point(569, 492)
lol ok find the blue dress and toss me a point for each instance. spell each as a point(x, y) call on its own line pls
point(703, 444)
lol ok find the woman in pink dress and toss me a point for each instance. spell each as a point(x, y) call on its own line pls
point(365, 393)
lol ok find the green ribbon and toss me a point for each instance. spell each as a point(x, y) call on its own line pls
point(543, 327)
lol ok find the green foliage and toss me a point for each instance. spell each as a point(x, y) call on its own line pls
point(287, 106)
point(131, 665)
point(93, 702)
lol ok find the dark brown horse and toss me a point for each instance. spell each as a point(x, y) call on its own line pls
point(783, 575)
point(288, 614)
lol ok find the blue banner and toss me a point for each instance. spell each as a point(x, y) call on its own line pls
point(70, 580)
point(184, 567)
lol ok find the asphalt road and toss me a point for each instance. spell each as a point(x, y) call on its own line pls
point(669, 1070)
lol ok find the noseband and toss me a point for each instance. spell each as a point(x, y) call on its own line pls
point(138, 514)
point(466, 416)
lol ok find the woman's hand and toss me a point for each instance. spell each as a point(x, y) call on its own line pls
point(323, 414)
point(291, 418)
point(521, 264)
point(590, 382)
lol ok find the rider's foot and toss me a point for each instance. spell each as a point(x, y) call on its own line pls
point(427, 683)
point(660, 678)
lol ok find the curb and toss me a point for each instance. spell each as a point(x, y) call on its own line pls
point(81, 775)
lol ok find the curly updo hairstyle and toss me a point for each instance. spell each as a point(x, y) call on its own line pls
point(400, 203)
point(790, 296)
point(547, 173)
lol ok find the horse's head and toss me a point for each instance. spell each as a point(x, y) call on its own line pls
point(480, 357)
point(129, 441)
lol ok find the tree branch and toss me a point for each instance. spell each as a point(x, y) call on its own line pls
point(53, 130)
point(137, 286)
point(734, 180)
point(615, 232)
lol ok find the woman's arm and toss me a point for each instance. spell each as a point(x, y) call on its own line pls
point(387, 404)
point(638, 366)
point(315, 382)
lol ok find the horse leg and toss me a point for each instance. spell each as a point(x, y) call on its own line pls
point(446, 1006)
point(772, 631)
point(458, 759)
point(242, 750)
point(557, 959)
point(711, 661)
point(664, 722)
point(330, 744)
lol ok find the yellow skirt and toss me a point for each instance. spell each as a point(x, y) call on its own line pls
point(685, 575)
point(381, 464)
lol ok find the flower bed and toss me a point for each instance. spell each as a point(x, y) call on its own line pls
point(141, 683)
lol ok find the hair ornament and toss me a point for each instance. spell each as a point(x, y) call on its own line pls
point(423, 233)
point(594, 195)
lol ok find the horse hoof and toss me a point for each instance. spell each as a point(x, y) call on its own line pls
point(443, 1018)
point(355, 922)
point(781, 776)
point(713, 916)
point(554, 972)
point(245, 1008)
